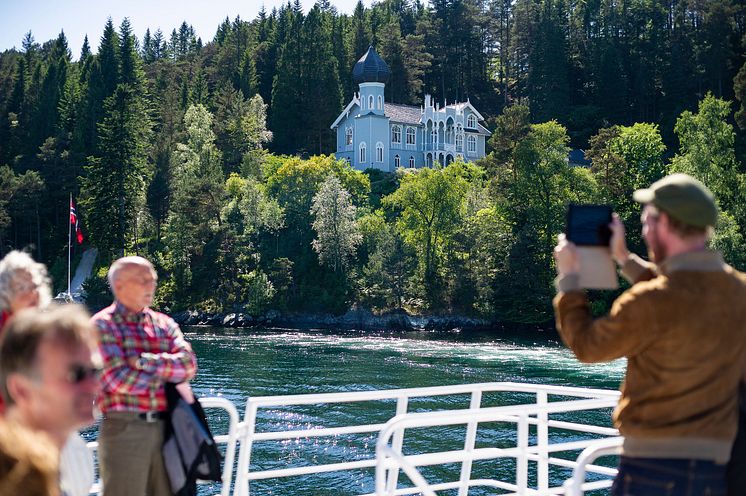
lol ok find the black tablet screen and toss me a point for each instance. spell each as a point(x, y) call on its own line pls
point(588, 225)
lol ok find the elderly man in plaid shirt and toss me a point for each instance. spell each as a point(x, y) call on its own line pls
point(141, 350)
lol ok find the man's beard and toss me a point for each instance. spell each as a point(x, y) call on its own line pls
point(656, 250)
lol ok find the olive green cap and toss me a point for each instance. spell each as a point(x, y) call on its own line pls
point(683, 198)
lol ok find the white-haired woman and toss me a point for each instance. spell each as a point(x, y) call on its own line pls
point(24, 283)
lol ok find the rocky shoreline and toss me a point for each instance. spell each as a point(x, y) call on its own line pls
point(355, 319)
point(360, 320)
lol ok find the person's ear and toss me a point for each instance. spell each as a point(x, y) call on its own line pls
point(19, 388)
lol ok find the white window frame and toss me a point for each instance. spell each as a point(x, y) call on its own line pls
point(348, 136)
point(411, 161)
point(396, 134)
point(363, 153)
point(471, 144)
point(380, 102)
point(471, 121)
point(413, 134)
point(397, 161)
point(459, 141)
point(370, 103)
point(434, 137)
point(379, 152)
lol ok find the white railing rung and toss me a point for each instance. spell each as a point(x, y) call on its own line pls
point(311, 469)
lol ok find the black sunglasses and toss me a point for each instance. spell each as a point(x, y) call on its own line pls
point(79, 373)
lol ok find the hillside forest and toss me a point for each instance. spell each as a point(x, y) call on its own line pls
point(214, 158)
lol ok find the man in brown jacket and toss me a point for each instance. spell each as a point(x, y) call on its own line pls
point(682, 327)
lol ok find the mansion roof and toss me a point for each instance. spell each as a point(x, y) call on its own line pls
point(405, 114)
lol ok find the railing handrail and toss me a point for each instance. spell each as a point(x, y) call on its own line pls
point(383, 394)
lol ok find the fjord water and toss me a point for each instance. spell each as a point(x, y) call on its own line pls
point(237, 364)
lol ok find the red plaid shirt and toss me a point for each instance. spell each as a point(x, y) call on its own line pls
point(167, 357)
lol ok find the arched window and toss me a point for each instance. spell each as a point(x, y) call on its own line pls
point(411, 161)
point(471, 121)
point(380, 102)
point(459, 142)
point(370, 103)
point(362, 152)
point(396, 135)
point(434, 137)
point(397, 161)
point(411, 136)
point(471, 144)
point(348, 136)
point(379, 152)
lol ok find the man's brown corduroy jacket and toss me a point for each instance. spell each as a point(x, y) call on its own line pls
point(682, 327)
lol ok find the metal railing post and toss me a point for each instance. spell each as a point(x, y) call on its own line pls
point(402, 403)
point(521, 468)
point(542, 442)
point(244, 455)
point(469, 441)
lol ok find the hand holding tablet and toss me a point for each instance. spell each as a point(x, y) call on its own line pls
point(588, 228)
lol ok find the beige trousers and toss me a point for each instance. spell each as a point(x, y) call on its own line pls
point(129, 455)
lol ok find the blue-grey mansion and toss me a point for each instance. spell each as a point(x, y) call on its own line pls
point(374, 134)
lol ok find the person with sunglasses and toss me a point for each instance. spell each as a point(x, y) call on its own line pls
point(142, 350)
point(50, 377)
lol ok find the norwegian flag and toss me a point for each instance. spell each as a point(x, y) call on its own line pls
point(74, 222)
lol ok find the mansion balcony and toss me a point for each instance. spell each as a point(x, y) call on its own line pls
point(443, 147)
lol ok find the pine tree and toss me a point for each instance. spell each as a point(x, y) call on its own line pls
point(265, 55)
point(131, 72)
point(322, 94)
point(52, 88)
point(115, 181)
point(148, 54)
point(158, 45)
point(85, 50)
point(108, 59)
point(288, 116)
point(361, 38)
point(547, 82)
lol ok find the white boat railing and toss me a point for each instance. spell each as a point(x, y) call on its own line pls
point(540, 407)
point(395, 405)
point(229, 439)
point(391, 461)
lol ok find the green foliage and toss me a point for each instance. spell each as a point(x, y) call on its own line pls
point(337, 235)
point(707, 153)
point(96, 292)
point(626, 158)
point(739, 87)
point(430, 202)
point(532, 195)
point(729, 240)
point(198, 195)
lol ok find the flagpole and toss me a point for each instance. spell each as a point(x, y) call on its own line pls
point(69, 246)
